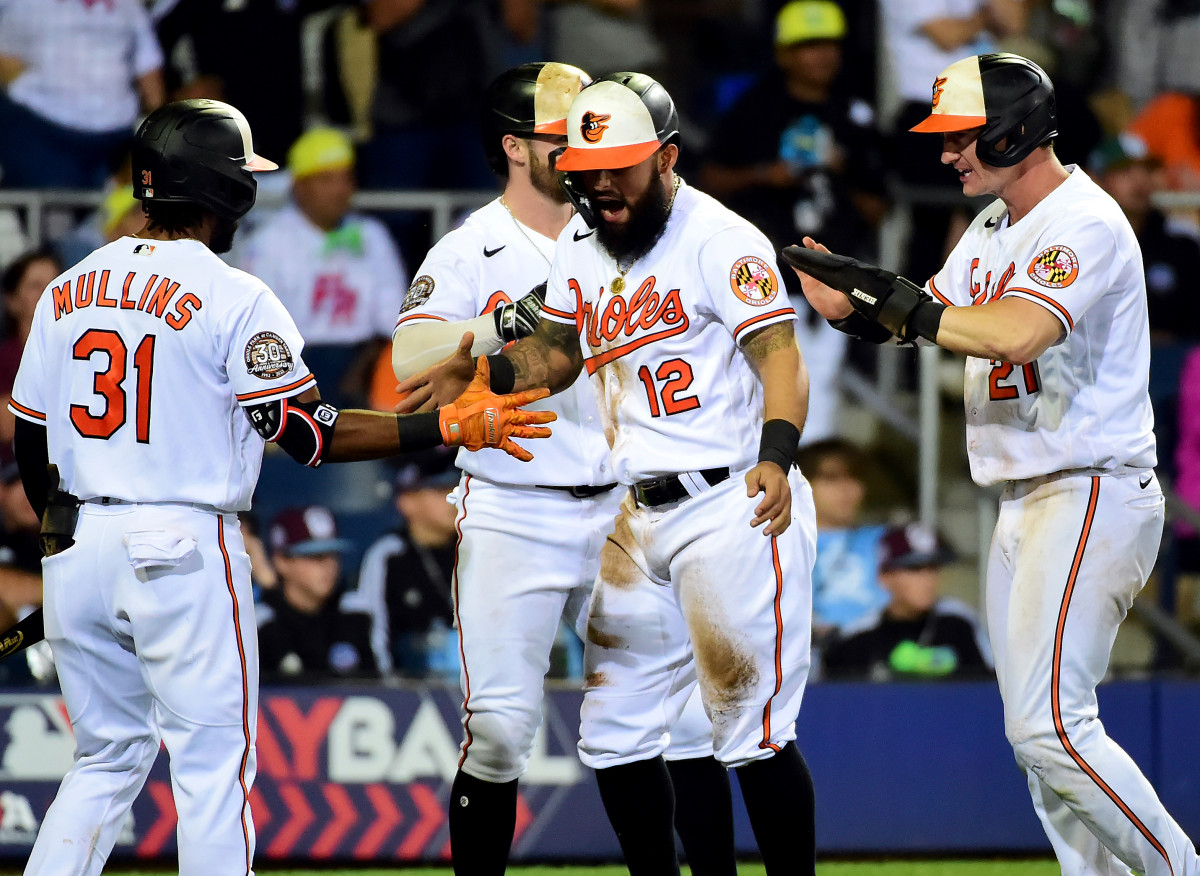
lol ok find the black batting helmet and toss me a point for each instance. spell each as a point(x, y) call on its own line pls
point(197, 152)
point(1011, 97)
point(529, 99)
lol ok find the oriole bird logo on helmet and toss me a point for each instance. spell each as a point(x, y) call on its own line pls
point(592, 126)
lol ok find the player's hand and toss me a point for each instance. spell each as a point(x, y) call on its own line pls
point(439, 384)
point(769, 480)
point(825, 300)
point(479, 418)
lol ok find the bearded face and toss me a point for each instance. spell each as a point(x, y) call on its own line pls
point(631, 207)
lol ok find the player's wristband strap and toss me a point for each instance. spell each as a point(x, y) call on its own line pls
point(778, 443)
point(503, 375)
point(924, 321)
point(419, 431)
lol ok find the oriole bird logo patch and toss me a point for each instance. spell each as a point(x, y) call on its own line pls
point(1054, 267)
point(592, 126)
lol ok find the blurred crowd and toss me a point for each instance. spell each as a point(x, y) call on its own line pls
point(793, 113)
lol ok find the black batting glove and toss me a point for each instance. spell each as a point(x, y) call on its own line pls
point(879, 295)
point(518, 319)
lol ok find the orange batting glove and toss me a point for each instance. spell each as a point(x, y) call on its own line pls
point(479, 418)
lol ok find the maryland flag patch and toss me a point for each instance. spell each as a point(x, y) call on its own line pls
point(753, 281)
point(1054, 267)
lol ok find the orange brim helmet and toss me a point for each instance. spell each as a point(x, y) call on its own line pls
point(1009, 97)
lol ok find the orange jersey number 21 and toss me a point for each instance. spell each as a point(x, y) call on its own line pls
point(1001, 371)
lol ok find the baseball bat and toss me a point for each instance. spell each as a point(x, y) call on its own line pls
point(22, 634)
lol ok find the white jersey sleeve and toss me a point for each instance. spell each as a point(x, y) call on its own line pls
point(262, 351)
point(1077, 262)
point(742, 280)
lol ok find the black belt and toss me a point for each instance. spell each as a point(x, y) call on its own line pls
point(583, 491)
point(668, 488)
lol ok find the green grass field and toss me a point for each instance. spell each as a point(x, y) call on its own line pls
point(842, 868)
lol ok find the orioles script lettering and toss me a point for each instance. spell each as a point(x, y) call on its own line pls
point(662, 316)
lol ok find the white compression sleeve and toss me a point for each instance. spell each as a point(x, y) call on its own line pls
point(425, 342)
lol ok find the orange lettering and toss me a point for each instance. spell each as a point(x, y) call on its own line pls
point(162, 297)
point(62, 299)
point(145, 292)
point(101, 301)
point(126, 304)
point(83, 295)
point(183, 313)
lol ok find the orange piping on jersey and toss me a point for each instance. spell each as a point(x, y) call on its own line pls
point(462, 654)
point(405, 319)
point(754, 320)
point(302, 382)
point(1055, 705)
point(617, 352)
point(1048, 300)
point(938, 295)
point(561, 314)
point(495, 301)
point(29, 412)
point(766, 740)
point(237, 633)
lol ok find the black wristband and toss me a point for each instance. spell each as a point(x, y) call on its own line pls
point(504, 376)
point(925, 321)
point(418, 431)
point(778, 443)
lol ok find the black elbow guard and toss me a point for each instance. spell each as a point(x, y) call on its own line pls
point(304, 430)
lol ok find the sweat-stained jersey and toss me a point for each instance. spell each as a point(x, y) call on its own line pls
point(1084, 403)
point(488, 261)
point(677, 393)
point(142, 354)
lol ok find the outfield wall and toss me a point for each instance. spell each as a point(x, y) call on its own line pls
point(363, 772)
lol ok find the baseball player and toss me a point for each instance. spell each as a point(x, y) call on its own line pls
point(153, 376)
point(673, 305)
point(545, 521)
point(1046, 297)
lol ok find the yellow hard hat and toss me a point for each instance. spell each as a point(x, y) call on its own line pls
point(804, 20)
point(116, 205)
point(320, 149)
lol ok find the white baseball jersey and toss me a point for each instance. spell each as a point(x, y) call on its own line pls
point(1078, 406)
point(489, 261)
point(141, 353)
point(677, 394)
point(341, 287)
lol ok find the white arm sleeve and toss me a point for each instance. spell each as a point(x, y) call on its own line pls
point(424, 342)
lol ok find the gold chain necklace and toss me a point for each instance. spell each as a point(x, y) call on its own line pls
point(524, 233)
point(617, 286)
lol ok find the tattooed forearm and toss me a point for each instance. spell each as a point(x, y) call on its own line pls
point(765, 341)
point(550, 357)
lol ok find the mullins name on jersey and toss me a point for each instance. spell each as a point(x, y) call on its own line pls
point(91, 290)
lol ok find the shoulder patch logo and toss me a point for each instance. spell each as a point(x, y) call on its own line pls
point(754, 281)
point(592, 126)
point(418, 292)
point(1054, 267)
point(267, 356)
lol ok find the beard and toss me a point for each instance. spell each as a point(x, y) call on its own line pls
point(647, 221)
point(545, 180)
point(222, 236)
